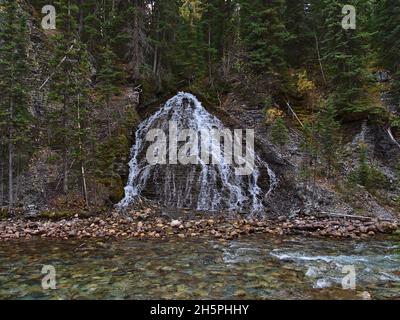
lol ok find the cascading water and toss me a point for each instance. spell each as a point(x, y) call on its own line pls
point(200, 186)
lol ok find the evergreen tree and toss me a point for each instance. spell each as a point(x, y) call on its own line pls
point(367, 175)
point(14, 113)
point(279, 133)
point(363, 173)
point(69, 87)
point(264, 34)
point(191, 49)
point(387, 40)
point(343, 54)
point(109, 78)
point(300, 42)
point(311, 152)
point(328, 135)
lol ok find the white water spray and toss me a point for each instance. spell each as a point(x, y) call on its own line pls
point(203, 187)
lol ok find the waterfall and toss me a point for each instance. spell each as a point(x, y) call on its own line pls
point(200, 186)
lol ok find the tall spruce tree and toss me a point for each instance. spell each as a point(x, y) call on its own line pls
point(109, 79)
point(328, 135)
point(343, 55)
point(191, 48)
point(300, 41)
point(69, 88)
point(387, 40)
point(14, 113)
point(280, 133)
point(264, 34)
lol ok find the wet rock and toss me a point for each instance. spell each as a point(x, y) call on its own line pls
point(365, 295)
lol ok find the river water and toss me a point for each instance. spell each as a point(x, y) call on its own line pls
point(257, 267)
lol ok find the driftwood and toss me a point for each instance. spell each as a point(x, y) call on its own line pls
point(341, 215)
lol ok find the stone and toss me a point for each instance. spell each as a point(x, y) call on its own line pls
point(176, 223)
point(365, 295)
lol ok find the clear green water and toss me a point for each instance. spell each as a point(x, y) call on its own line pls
point(258, 267)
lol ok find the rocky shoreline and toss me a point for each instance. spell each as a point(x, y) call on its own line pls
point(145, 225)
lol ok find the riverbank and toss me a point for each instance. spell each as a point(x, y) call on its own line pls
point(145, 224)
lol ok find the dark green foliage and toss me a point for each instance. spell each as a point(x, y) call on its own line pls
point(387, 40)
point(310, 149)
point(367, 175)
point(15, 118)
point(109, 76)
point(344, 55)
point(300, 43)
point(264, 34)
point(328, 135)
point(279, 132)
point(69, 89)
point(13, 70)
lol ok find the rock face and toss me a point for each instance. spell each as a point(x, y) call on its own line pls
point(293, 195)
point(39, 182)
point(202, 184)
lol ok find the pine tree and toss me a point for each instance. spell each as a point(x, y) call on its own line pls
point(328, 135)
point(109, 78)
point(279, 133)
point(165, 24)
point(14, 113)
point(300, 42)
point(311, 153)
point(387, 40)
point(264, 34)
point(367, 175)
point(343, 54)
point(191, 49)
point(69, 87)
point(363, 173)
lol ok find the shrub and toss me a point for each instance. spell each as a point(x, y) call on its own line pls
point(367, 175)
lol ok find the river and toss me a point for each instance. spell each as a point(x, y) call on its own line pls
point(257, 267)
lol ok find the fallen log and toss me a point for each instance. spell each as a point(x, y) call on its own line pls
point(341, 215)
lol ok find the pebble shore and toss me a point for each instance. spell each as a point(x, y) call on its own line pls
point(144, 225)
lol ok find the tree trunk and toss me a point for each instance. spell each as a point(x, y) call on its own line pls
point(108, 117)
point(81, 17)
point(85, 193)
point(65, 142)
point(66, 169)
point(10, 159)
point(210, 76)
point(69, 18)
point(157, 38)
point(1, 175)
point(137, 42)
point(18, 177)
point(319, 57)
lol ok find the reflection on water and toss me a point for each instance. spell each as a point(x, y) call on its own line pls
point(253, 268)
